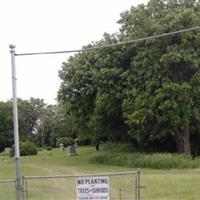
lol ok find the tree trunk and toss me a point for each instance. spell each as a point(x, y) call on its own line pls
point(183, 141)
point(97, 147)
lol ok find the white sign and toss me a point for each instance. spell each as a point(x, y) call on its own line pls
point(92, 188)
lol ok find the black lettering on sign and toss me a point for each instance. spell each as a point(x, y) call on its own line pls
point(80, 181)
point(99, 190)
point(87, 181)
point(96, 181)
point(83, 190)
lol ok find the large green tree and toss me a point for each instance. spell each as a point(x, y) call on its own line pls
point(164, 76)
point(149, 88)
point(92, 91)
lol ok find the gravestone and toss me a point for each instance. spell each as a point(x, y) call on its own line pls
point(71, 150)
point(7, 149)
point(76, 142)
point(61, 146)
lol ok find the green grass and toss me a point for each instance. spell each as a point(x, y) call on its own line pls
point(125, 155)
point(142, 160)
point(174, 184)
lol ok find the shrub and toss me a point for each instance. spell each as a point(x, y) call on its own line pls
point(84, 139)
point(5, 153)
point(26, 149)
point(40, 149)
point(118, 147)
point(48, 148)
point(141, 160)
point(67, 141)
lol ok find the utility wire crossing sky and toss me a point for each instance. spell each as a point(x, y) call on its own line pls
point(113, 44)
point(37, 25)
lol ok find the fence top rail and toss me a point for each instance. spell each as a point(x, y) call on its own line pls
point(7, 181)
point(81, 175)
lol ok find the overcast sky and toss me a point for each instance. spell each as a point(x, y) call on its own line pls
point(48, 25)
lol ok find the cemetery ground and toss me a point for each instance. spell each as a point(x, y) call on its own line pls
point(174, 184)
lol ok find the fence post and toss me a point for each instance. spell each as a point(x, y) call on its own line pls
point(138, 185)
point(120, 194)
point(25, 188)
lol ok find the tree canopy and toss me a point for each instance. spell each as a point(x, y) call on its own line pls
point(145, 92)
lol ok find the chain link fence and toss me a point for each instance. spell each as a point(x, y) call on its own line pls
point(7, 189)
point(122, 186)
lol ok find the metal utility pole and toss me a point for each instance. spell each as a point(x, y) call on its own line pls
point(19, 188)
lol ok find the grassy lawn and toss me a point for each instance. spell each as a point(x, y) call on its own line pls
point(159, 184)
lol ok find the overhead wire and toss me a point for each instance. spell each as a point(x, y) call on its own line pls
point(112, 44)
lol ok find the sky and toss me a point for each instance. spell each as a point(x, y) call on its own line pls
point(50, 25)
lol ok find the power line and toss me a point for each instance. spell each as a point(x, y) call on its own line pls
point(112, 45)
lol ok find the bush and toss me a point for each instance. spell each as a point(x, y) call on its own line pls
point(5, 153)
point(67, 141)
point(26, 149)
point(85, 139)
point(40, 149)
point(48, 148)
point(118, 147)
point(141, 160)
